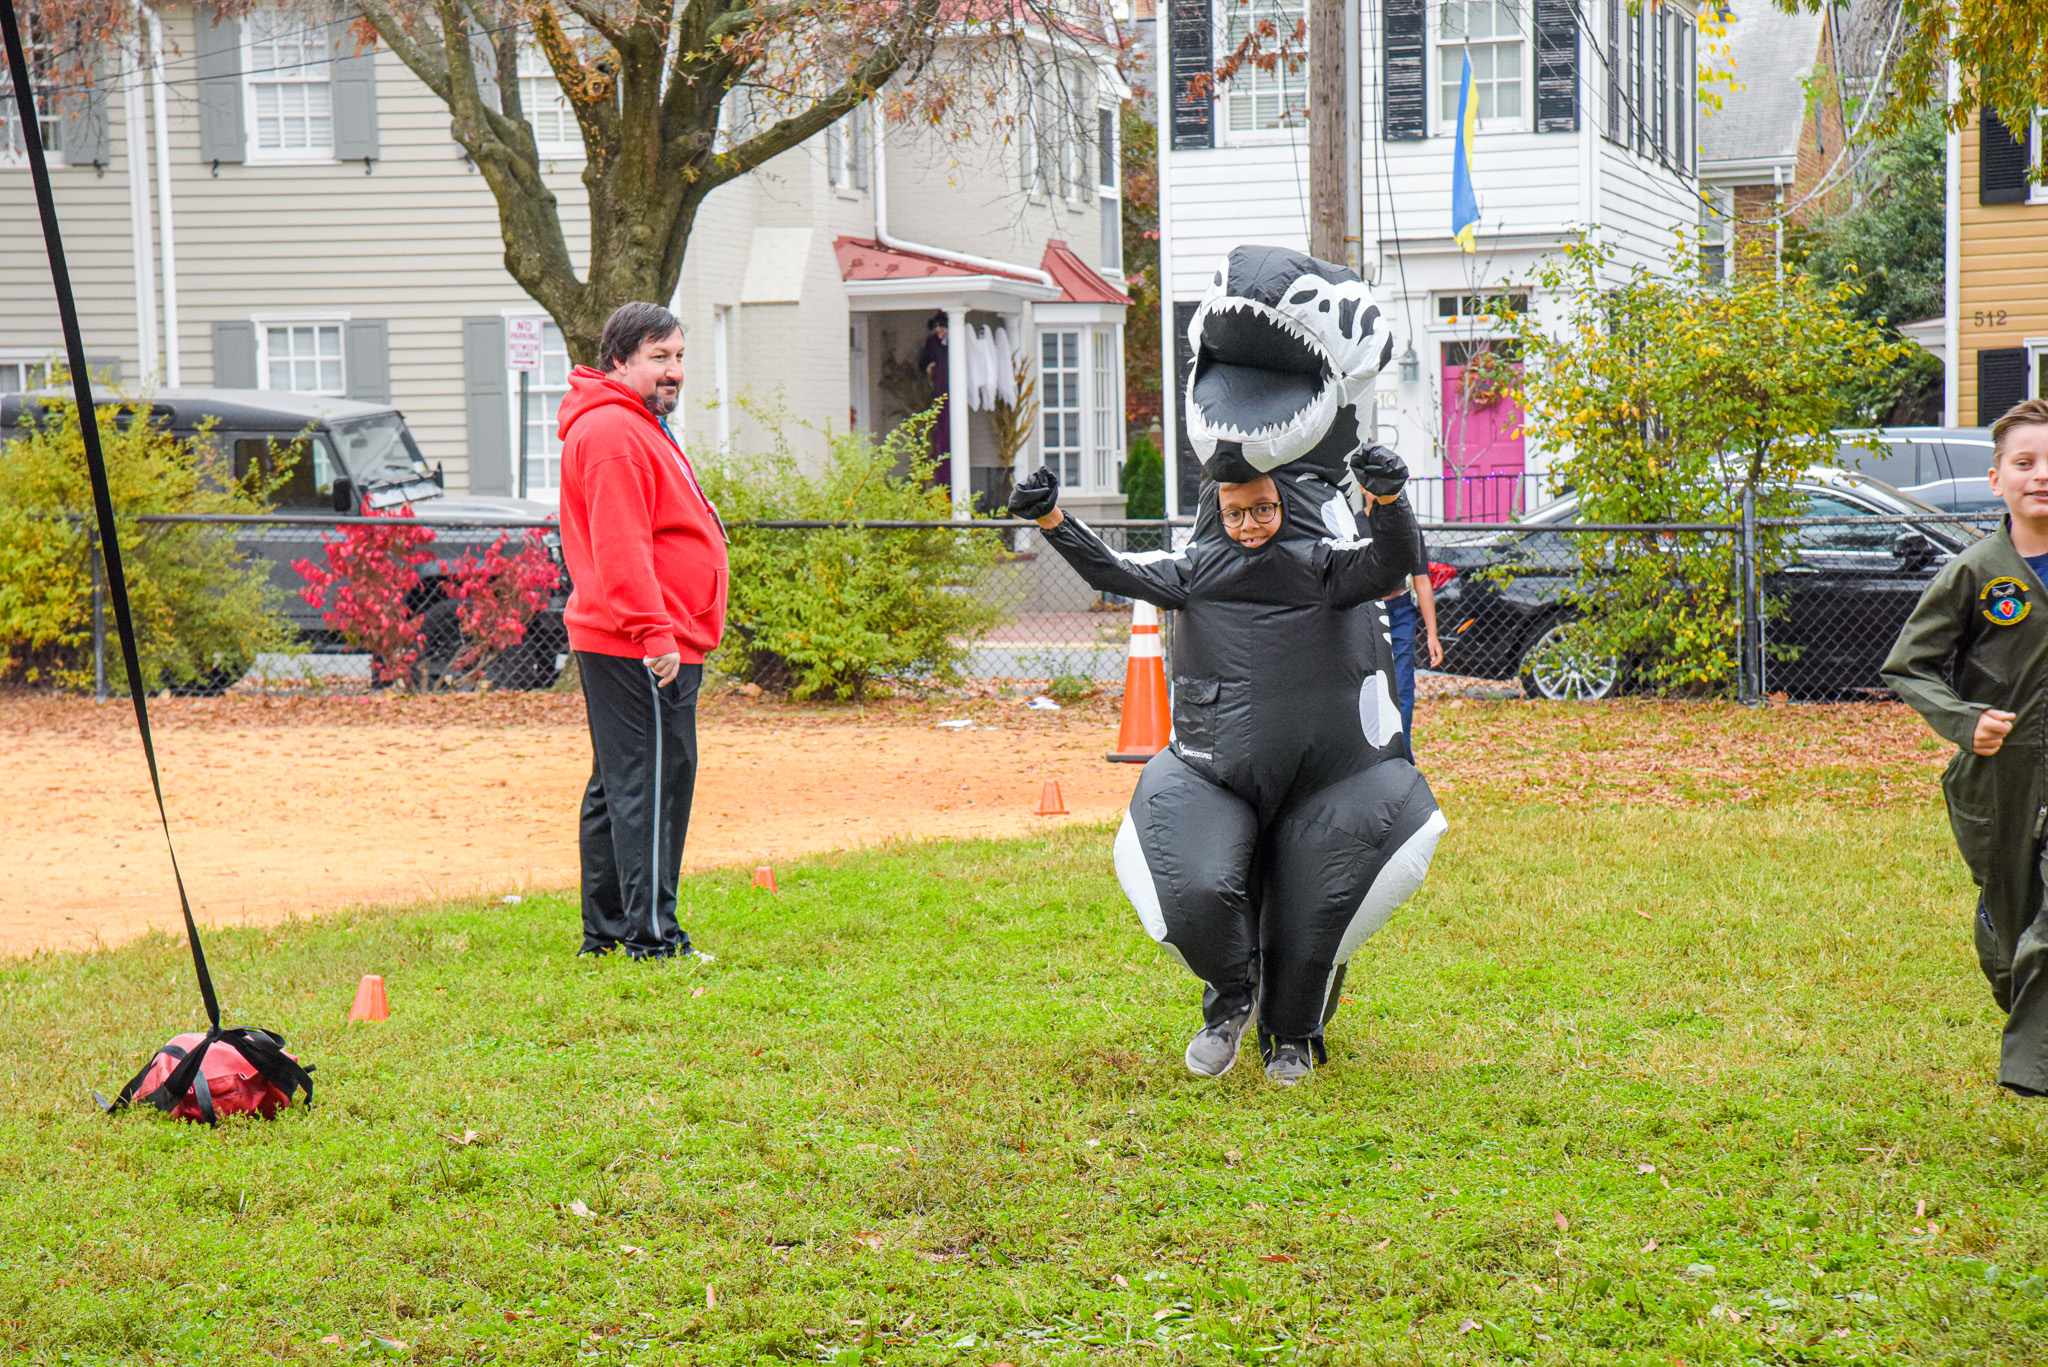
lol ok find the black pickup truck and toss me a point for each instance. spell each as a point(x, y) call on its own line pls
point(352, 458)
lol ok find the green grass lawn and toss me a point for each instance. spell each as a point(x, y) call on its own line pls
point(1620, 1085)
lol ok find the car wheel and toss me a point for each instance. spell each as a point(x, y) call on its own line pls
point(223, 675)
point(440, 639)
point(1554, 671)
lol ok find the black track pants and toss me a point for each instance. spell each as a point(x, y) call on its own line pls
point(636, 810)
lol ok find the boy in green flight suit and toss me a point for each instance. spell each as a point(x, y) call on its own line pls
point(1973, 660)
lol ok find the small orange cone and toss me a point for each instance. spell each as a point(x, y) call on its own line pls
point(764, 876)
point(1148, 716)
point(370, 1004)
point(1050, 803)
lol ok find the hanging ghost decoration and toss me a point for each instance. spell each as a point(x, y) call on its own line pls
point(1286, 822)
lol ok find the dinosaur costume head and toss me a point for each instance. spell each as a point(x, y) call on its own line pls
point(1286, 348)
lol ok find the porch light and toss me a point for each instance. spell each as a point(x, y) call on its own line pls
point(1411, 365)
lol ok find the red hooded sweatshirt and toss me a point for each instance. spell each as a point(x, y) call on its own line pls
point(645, 548)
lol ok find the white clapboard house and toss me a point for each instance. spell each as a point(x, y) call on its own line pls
point(1585, 121)
point(263, 206)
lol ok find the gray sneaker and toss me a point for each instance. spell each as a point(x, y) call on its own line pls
point(1291, 1063)
point(1213, 1052)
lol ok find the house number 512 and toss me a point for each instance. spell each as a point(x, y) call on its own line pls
point(1989, 318)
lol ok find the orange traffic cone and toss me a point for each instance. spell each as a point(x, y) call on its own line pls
point(764, 876)
point(1050, 803)
point(370, 1004)
point(1148, 716)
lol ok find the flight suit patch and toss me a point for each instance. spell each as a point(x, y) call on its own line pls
point(2004, 602)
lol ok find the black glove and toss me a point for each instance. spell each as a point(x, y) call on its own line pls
point(1378, 471)
point(1035, 495)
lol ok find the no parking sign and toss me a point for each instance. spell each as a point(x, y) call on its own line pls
point(522, 344)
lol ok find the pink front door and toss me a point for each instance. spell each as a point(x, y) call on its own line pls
point(1483, 456)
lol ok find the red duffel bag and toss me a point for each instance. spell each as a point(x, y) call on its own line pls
point(222, 1072)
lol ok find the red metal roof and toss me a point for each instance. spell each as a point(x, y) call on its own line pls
point(862, 259)
point(1078, 282)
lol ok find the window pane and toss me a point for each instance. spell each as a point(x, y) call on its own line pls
point(1507, 100)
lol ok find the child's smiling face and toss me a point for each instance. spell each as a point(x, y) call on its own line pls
point(2019, 474)
point(1251, 511)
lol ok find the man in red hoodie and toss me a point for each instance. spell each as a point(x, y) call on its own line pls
point(646, 553)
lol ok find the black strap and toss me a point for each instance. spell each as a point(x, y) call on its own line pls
point(96, 462)
point(263, 1049)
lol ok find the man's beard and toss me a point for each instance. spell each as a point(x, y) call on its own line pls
point(662, 405)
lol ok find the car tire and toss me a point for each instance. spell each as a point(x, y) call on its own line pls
point(532, 665)
point(440, 639)
point(1548, 678)
point(223, 675)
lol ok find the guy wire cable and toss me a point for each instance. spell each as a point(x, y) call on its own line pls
point(96, 464)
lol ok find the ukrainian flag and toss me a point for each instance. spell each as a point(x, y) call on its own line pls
point(1464, 203)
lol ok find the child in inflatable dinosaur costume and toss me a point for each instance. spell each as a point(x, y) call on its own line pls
point(1284, 824)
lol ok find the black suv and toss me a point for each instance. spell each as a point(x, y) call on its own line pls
point(353, 458)
point(1848, 590)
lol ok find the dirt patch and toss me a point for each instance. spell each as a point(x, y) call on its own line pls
point(295, 806)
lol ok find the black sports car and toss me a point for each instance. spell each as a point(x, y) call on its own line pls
point(1847, 592)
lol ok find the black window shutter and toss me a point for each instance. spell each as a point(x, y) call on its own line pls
point(1405, 115)
point(1191, 59)
point(1186, 467)
point(2001, 382)
point(2002, 161)
point(1557, 67)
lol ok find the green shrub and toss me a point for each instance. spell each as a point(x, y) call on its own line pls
point(1144, 480)
point(202, 610)
point(831, 612)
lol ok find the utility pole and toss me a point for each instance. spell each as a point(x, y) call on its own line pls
point(1327, 130)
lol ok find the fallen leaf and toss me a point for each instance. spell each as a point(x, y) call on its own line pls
point(337, 1339)
point(1278, 1258)
point(467, 1137)
point(1467, 1326)
point(1920, 1210)
point(1650, 1247)
point(631, 1250)
point(1382, 1243)
point(1232, 1156)
point(1644, 914)
point(710, 1296)
point(388, 1345)
point(870, 1238)
point(1119, 1280)
point(1561, 1222)
point(1646, 1168)
point(697, 992)
point(579, 1210)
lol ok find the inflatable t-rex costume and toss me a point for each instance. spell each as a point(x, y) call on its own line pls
point(1285, 823)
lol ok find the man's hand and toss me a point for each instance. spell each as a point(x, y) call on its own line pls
point(1036, 496)
point(1379, 472)
point(1436, 650)
point(665, 667)
point(1992, 728)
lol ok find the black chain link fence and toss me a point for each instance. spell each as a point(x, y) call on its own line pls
point(1815, 629)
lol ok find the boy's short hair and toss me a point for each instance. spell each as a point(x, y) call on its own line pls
point(2025, 413)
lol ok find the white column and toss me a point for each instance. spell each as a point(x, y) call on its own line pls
point(1169, 399)
point(956, 409)
point(141, 231)
point(160, 106)
point(1952, 273)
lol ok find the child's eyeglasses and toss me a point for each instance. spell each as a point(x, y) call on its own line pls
point(1261, 513)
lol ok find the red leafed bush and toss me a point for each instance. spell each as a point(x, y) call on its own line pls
point(364, 592)
point(498, 595)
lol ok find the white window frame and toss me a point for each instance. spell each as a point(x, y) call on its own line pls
point(1098, 409)
point(1440, 70)
point(255, 153)
point(1717, 228)
point(535, 489)
point(1480, 293)
point(845, 173)
point(30, 360)
point(537, 79)
point(15, 158)
point(266, 321)
point(2037, 193)
point(1226, 96)
point(2037, 356)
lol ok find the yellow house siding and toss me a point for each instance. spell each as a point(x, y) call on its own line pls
point(2002, 285)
